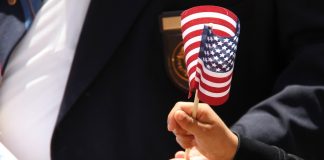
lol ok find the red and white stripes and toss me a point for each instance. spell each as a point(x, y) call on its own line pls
point(223, 23)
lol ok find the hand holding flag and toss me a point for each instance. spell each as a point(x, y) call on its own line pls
point(210, 35)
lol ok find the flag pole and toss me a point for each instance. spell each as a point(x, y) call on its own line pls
point(194, 116)
point(195, 107)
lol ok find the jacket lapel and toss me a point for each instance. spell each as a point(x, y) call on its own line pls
point(105, 26)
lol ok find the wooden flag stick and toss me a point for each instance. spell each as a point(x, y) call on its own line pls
point(194, 116)
point(194, 110)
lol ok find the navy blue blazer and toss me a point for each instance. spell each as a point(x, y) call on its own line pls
point(118, 93)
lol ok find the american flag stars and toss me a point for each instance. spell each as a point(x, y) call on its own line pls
point(218, 52)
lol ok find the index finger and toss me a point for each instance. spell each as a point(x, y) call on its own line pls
point(172, 124)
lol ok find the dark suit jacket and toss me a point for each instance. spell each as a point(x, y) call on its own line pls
point(293, 118)
point(118, 93)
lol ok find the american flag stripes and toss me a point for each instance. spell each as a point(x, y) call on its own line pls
point(210, 35)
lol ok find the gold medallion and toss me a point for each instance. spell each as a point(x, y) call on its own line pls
point(12, 2)
point(177, 66)
point(173, 49)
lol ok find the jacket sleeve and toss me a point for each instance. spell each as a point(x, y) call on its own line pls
point(256, 150)
point(293, 117)
point(292, 120)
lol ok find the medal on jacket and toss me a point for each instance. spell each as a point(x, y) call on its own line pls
point(173, 49)
point(12, 2)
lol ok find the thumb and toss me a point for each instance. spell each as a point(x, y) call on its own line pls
point(205, 114)
point(187, 122)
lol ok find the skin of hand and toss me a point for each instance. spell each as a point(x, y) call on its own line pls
point(194, 155)
point(207, 133)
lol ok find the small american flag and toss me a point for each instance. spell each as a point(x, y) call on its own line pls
point(215, 67)
point(210, 35)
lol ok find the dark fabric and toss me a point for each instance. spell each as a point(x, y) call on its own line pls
point(118, 94)
point(255, 150)
point(292, 120)
point(11, 29)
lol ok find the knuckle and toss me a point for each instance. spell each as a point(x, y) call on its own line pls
point(178, 104)
point(206, 129)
